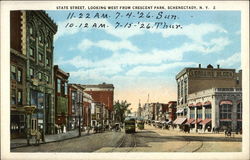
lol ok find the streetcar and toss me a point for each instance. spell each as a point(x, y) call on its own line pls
point(129, 125)
point(140, 124)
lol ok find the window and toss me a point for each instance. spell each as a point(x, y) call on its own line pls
point(40, 76)
point(239, 110)
point(19, 97)
point(32, 51)
point(73, 94)
point(225, 111)
point(47, 61)
point(237, 80)
point(192, 112)
point(40, 57)
point(41, 38)
point(31, 31)
point(58, 86)
point(47, 79)
point(48, 44)
point(13, 96)
point(66, 88)
point(13, 72)
point(19, 75)
point(31, 73)
point(199, 112)
point(208, 112)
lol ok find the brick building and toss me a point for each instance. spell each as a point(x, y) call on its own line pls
point(75, 106)
point(18, 60)
point(171, 113)
point(87, 101)
point(103, 93)
point(61, 96)
point(32, 70)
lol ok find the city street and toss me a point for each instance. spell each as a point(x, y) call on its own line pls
point(150, 139)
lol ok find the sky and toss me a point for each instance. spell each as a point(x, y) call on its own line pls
point(142, 63)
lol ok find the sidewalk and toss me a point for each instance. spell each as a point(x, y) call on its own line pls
point(22, 142)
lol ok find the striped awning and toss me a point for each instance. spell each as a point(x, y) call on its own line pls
point(197, 121)
point(207, 103)
point(180, 120)
point(199, 104)
point(226, 102)
point(190, 121)
point(206, 121)
point(191, 105)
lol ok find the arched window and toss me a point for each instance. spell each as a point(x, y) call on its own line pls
point(226, 109)
point(239, 110)
point(48, 43)
point(41, 37)
point(31, 31)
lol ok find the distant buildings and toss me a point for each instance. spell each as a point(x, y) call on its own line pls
point(209, 97)
point(158, 111)
point(104, 94)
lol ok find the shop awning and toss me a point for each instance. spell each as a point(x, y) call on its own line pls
point(206, 121)
point(197, 121)
point(191, 105)
point(180, 120)
point(226, 102)
point(190, 121)
point(199, 104)
point(207, 103)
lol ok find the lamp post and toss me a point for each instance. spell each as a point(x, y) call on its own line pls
point(28, 110)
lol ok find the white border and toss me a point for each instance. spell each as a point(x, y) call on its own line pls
point(6, 6)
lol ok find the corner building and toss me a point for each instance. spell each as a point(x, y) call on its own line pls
point(194, 81)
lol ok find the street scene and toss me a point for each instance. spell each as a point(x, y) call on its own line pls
point(125, 81)
point(151, 139)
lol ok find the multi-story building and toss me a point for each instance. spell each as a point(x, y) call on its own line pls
point(87, 101)
point(32, 47)
point(61, 96)
point(103, 93)
point(75, 107)
point(98, 114)
point(18, 72)
point(171, 113)
point(192, 80)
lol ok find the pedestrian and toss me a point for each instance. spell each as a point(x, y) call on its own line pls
point(38, 137)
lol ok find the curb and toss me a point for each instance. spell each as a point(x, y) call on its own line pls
point(25, 145)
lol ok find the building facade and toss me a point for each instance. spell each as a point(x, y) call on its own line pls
point(18, 72)
point(171, 113)
point(104, 94)
point(216, 107)
point(61, 97)
point(75, 107)
point(194, 80)
point(32, 63)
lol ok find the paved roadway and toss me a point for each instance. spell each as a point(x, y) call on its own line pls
point(150, 139)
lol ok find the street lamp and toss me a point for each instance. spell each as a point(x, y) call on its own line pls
point(29, 110)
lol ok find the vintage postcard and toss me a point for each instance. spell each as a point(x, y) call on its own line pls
point(125, 80)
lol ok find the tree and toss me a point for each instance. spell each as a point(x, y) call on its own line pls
point(120, 109)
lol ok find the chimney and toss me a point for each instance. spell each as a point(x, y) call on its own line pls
point(199, 65)
point(218, 66)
